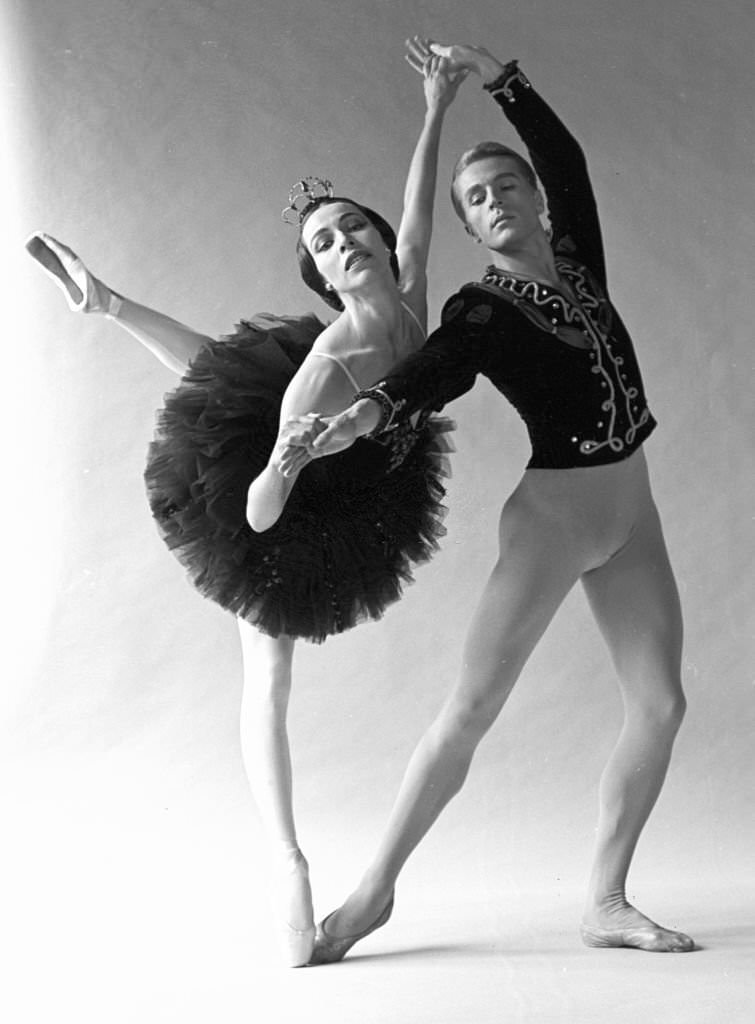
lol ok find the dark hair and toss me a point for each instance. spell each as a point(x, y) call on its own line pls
point(307, 267)
point(480, 152)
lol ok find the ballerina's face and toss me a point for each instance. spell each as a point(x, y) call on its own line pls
point(346, 246)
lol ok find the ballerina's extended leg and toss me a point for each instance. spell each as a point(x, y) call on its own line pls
point(170, 341)
point(267, 662)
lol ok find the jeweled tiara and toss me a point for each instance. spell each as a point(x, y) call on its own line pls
point(302, 196)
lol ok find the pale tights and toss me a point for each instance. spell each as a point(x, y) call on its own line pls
point(267, 671)
point(601, 526)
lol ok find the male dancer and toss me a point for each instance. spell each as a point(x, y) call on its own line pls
point(542, 328)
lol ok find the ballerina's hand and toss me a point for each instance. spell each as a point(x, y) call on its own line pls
point(459, 56)
point(293, 447)
point(441, 81)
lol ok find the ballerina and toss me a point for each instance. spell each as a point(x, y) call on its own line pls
point(309, 555)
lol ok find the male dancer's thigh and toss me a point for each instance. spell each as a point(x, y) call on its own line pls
point(539, 562)
point(635, 601)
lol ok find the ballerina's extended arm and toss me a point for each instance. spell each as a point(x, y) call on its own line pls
point(316, 384)
point(300, 425)
point(441, 81)
point(415, 230)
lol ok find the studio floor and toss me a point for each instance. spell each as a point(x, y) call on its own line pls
point(451, 963)
point(157, 930)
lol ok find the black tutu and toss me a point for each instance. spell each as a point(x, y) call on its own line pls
point(353, 526)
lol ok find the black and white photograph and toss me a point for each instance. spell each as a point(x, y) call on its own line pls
point(379, 512)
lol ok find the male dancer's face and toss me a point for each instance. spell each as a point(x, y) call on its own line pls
point(501, 209)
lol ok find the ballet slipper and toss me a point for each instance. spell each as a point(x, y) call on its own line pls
point(83, 292)
point(329, 950)
point(651, 939)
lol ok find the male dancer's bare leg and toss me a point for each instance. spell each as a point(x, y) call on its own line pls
point(535, 572)
point(635, 602)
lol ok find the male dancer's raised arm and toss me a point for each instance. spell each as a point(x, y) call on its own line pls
point(476, 332)
point(465, 344)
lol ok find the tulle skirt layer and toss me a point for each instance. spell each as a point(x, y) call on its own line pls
point(354, 526)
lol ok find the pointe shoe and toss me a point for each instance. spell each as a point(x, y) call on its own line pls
point(652, 940)
point(329, 950)
point(83, 292)
point(296, 944)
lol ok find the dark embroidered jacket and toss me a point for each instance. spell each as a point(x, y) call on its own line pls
point(567, 366)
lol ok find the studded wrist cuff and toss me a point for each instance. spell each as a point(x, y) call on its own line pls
point(387, 409)
point(505, 80)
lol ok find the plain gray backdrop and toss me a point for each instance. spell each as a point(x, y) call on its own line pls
point(159, 141)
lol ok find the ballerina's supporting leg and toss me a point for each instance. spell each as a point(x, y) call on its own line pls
point(267, 662)
point(267, 759)
point(173, 343)
point(636, 604)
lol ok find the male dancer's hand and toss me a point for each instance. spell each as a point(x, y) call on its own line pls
point(460, 56)
point(342, 431)
point(309, 437)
